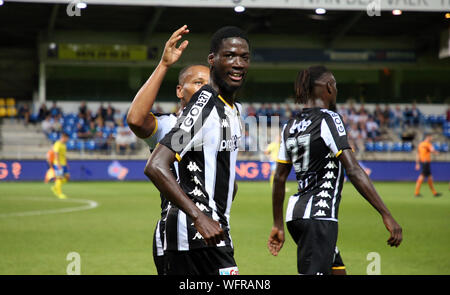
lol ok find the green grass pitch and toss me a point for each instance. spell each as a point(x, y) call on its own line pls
point(116, 236)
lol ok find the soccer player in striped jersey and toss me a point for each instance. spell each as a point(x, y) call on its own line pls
point(205, 143)
point(153, 127)
point(315, 143)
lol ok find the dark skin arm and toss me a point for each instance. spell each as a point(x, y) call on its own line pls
point(158, 171)
point(365, 187)
point(276, 237)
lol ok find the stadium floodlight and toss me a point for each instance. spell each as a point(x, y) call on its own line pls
point(447, 15)
point(239, 8)
point(396, 12)
point(81, 5)
point(321, 11)
point(1, 2)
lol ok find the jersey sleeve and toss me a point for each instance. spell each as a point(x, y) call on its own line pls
point(283, 156)
point(162, 126)
point(190, 126)
point(332, 131)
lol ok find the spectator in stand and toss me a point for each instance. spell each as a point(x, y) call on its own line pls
point(89, 117)
point(372, 129)
point(47, 125)
point(415, 115)
point(407, 117)
point(82, 133)
point(124, 138)
point(281, 113)
point(388, 116)
point(57, 123)
point(398, 116)
point(55, 110)
point(24, 113)
point(109, 117)
point(43, 112)
point(353, 117)
point(83, 109)
point(250, 111)
point(378, 115)
point(363, 115)
point(101, 111)
point(448, 114)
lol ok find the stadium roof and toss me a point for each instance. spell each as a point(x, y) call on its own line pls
point(21, 23)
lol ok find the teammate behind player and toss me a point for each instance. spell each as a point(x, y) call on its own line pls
point(205, 141)
point(153, 127)
point(60, 166)
point(315, 143)
point(423, 160)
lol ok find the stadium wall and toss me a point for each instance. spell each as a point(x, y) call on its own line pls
point(113, 170)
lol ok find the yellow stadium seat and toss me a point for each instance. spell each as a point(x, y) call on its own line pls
point(2, 112)
point(2, 102)
point(10, 102)
point(12, 112)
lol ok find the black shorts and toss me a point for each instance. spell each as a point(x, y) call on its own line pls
point(203, 261)
point(158, 259)
point(316, 244)
point(338, 263)
point(426, 169)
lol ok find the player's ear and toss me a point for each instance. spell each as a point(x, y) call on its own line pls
point(179, 91)
point(329, 88)
point(211, 59)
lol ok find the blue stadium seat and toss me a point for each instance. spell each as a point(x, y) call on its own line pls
point(369, 146)
point(444, 147)
point(90, 145)
point(79, 144)
point(71, 145)
point(396, 147)
point(441, 119)
point(53, 136)
point(407, 146)
point(437, 146)
point(381, 146)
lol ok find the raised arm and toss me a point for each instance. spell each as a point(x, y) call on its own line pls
point(365, 187)
point(158, 171)
point(276, 237)
point(141, 122)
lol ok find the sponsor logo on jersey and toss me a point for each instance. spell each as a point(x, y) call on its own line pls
point(195, 110)
point(300, 126)
point(337, 121)
point(229, 144)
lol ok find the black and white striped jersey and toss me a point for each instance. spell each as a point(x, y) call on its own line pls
point(312, 141)
point(164, 123)
point(205, 139)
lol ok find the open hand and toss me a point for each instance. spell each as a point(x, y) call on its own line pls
point(171, 53)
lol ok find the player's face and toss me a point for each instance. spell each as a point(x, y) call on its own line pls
point(194, 78)
point(230, 64)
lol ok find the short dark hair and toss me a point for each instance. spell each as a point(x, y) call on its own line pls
point(304, 84)
point(65, 134)
point(183, 71)
point(224, 33)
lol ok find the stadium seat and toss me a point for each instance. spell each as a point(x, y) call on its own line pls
point(11, 102)
point(11, 111)
point(444, 147)
point(407, 146)
point(2, 112)
point(80, 145)
point(2, 102)
point(53, 136)
point(396, 147)
point(437, 146)
point(369, 146)
point(90, 145)
point(71, 145)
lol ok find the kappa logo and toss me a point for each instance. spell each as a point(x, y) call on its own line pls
point(196, 192)
point(327, 184)
point(337, 121)
point(193, 167)
point(322, 204)
point(324, 194)
point(329, 175)
point(300, 126)
point(197, 236)
point(330, 155)
point(225, 123)
point(319, 213)
point(196, 180)
point(195, 111)
point(331, 165)
point(202, 207)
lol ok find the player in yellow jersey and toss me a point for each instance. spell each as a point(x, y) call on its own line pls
point(60, 166)
point(272, 152)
